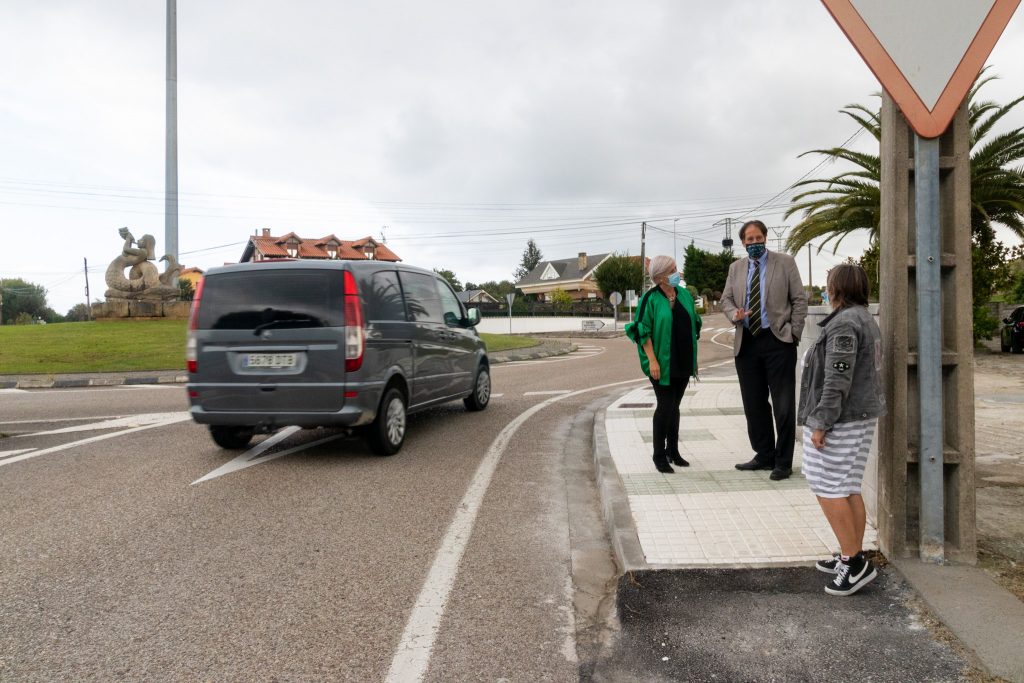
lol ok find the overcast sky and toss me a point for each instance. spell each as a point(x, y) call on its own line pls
point(465, 128)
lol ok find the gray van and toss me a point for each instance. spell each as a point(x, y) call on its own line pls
point(329, 344)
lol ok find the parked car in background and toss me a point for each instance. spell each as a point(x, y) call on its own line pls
point(356, 344)
point(1011, 336)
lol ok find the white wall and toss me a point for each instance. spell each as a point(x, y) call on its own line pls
point(530, 324)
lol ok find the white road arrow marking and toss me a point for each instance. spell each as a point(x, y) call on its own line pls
point(128, 421)
point(254, 456)
point(7, 454)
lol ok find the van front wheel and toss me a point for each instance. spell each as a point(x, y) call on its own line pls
point(231, 438)
point(481, 395)
point(387, 433)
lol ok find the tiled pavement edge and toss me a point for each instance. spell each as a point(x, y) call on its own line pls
point(104, 379)
point(709, 514)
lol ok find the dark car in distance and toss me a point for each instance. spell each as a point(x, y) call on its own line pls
point(1011, 336)
point(308, 343)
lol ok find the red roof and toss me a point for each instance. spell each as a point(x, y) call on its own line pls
point(270, 247)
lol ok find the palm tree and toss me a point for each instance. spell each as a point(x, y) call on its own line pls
point(835, 207)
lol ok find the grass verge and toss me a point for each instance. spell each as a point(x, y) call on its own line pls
point(121, 346)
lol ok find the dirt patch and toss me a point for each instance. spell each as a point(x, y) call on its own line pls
point(1006, 571)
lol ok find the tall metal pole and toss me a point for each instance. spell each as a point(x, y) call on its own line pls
point(643, 261)
point(171, 152)
point(88, 307)
point(929, 347)
point(675, 252)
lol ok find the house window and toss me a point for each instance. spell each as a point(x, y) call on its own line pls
point(292, 251)
point(332, 252)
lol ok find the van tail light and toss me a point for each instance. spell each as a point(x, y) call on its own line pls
point(355, 327)
point(193, 322)
point(1020, 324)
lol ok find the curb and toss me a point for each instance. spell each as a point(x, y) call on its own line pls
point(615, 504)
point(105, 380)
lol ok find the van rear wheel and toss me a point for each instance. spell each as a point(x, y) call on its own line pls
point(481, 395)
point(231, 438)
point(387, 432)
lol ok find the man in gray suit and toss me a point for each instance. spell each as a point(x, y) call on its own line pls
point(764, 298)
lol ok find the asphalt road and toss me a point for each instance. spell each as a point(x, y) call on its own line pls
point(310, 559)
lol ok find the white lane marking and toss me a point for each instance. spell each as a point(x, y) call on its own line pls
point(13, 391)
point(59, 419)
point(714, 339)
point(497, 395)
point(254, 456)
point(128, 421)
point(546, 393)
point(7, 454)
point(178, 417)
point(414, 649)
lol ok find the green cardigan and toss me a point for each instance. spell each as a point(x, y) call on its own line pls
point(654, 321)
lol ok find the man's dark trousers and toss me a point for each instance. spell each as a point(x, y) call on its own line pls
point(766, 368)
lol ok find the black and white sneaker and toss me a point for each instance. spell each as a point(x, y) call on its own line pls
point(828, 566)
point(850, 578)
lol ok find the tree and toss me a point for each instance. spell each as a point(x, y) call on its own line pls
point(705, 270)
point(186, 291)
point(78, 313)
point(619, 273)
point(561, 300)
point(531, 257)
point(851, 201)
point(20, 297)
point(450, 277)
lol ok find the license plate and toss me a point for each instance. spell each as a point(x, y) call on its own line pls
point(269, 360)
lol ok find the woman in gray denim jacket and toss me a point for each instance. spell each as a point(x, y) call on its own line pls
point(840, 402)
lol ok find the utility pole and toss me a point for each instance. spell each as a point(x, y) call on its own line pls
point(675, 252)
point(88, 306)
point(810, 274)
point(643, 261)
point(171, 137)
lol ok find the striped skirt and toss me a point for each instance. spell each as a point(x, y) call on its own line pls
point(837, 470)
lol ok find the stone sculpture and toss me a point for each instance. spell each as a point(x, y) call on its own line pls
point(143, 281)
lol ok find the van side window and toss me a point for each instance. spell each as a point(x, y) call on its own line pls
point(383, 297)
point(451, 309)
point(421, 297)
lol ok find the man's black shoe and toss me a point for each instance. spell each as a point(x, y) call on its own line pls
point(754, 464)
point(779, 475)
point(677, 460)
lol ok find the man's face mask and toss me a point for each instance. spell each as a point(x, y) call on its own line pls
point(756, 251)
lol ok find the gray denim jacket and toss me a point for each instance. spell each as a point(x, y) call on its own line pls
point(841, 379)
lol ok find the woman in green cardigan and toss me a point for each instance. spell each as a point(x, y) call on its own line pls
point(666, 331)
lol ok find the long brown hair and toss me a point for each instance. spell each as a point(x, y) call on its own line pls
point(848, 286)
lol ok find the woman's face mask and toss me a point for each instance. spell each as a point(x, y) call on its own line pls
point(674, 279)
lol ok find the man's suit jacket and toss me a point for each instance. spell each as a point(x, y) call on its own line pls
point(784, 297)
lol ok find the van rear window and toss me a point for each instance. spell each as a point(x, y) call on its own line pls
point(272, 299)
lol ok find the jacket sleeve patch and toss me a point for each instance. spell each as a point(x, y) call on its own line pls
point(841, 366)
point(844, 343)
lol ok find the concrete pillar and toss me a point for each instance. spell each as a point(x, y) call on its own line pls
point(899, 495)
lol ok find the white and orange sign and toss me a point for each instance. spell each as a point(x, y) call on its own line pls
point(925, 53)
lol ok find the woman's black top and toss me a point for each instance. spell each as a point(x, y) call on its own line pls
point(682, 341)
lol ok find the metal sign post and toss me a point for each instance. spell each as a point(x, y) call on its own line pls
point(510, 297)
point(929, 347)
point(615, 298)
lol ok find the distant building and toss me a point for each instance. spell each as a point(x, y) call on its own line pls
point(574, 276)
point(476, 296)
point(193, 275)
point(265, 247)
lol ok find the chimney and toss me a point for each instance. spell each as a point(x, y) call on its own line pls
point(266, 232)
point(583, 262)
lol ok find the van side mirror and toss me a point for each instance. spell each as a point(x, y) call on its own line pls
point(1007, 321)
point(473, 317)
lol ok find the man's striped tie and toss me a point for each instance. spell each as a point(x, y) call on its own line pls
point(754, 301)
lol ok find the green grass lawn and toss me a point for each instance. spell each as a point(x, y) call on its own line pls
point(120, 346)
